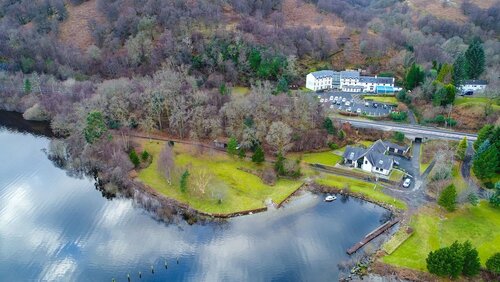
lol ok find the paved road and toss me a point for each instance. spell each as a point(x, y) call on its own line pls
point(412, 130)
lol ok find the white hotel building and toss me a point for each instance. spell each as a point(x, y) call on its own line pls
point(349, 81)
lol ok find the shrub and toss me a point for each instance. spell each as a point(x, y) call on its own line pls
point(144, 155)
point(269, 177)
point(399, 116)
point(399, 136)
point(493, 263)
point(134, 158)
point(448, 198)
point(333, 146)
point(232, 147)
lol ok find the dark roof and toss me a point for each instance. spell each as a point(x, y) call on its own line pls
point(378, 80)
point(475, 82)
point(354, 153)
point(375, 154)
point(349, 74)
point(322, 73)
point(378, 147)
point(396, 146)
point(380, 160)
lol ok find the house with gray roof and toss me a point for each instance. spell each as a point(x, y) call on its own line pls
point(375, 159)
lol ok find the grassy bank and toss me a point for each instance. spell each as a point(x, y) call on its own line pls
point(242, 190)
point(477, 101)
point(434, 229)
point(382, 99)
point(361, 188)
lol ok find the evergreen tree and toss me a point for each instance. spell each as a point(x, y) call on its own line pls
point(95, 127)
point(328, 125)
point(493, 263)
point(282, 86)
point(447, 261)
point(27, 86)
point(445, 74)
point(448, 198)
point(485, 164)
point(461, 149)
point(258, 156)
point(475, 59)
point(241, 153)
point(459, 70)
point(144, 155)
point(473, 199)
point(495, 198)
point(232, 147)
point(184, 181)
point(279, 165)
point(483, 134)
point(472, 265)
point(134, 158)
point(414, 77)
point(341, 134)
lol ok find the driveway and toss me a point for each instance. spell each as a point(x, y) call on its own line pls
point(354, 102)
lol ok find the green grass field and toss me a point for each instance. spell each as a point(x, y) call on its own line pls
point(244, 191)
point(382, 99)
point(324, 158)
point(432, 230)
point(362, 188)
point(478, 101)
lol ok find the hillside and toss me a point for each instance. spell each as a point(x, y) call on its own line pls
point(75, 29)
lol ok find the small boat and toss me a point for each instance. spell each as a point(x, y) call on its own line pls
point(330, 198)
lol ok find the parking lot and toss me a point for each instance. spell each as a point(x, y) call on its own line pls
point(353, 103)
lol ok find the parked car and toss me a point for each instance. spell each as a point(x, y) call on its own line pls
point(349, 109)
point(375, 105)
point(358, 111)
point(343, 100)
point(331, 106)
point(331, 98)
point(338, 102)
point(321, 100)
point(396, 163)
point(340, 108)
point(407, 183)
point(347, 103)
point(385, 106)
point(367, 104)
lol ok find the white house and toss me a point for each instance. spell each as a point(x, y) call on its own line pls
point(373, 159)
point(349, 81)
point(470, 87)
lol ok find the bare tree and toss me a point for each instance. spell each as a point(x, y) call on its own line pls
point(201, 180)
point(280, 137)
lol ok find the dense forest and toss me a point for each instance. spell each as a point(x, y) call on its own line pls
point(170, 65)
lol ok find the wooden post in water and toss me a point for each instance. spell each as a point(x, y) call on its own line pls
point(140, 275)
point(166, 266)
point(152, 269)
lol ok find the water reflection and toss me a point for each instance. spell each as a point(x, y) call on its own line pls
point(55, 227)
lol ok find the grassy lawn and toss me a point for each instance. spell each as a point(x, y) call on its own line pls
point(480, 225)
point(396, 175)
point(359, 187)
point(324, 158)
point(457, 178)
point(239, 90)
point(381, 99)
point(477, 101)
point(244, 191)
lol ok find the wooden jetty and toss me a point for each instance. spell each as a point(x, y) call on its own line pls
point(372, 235)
